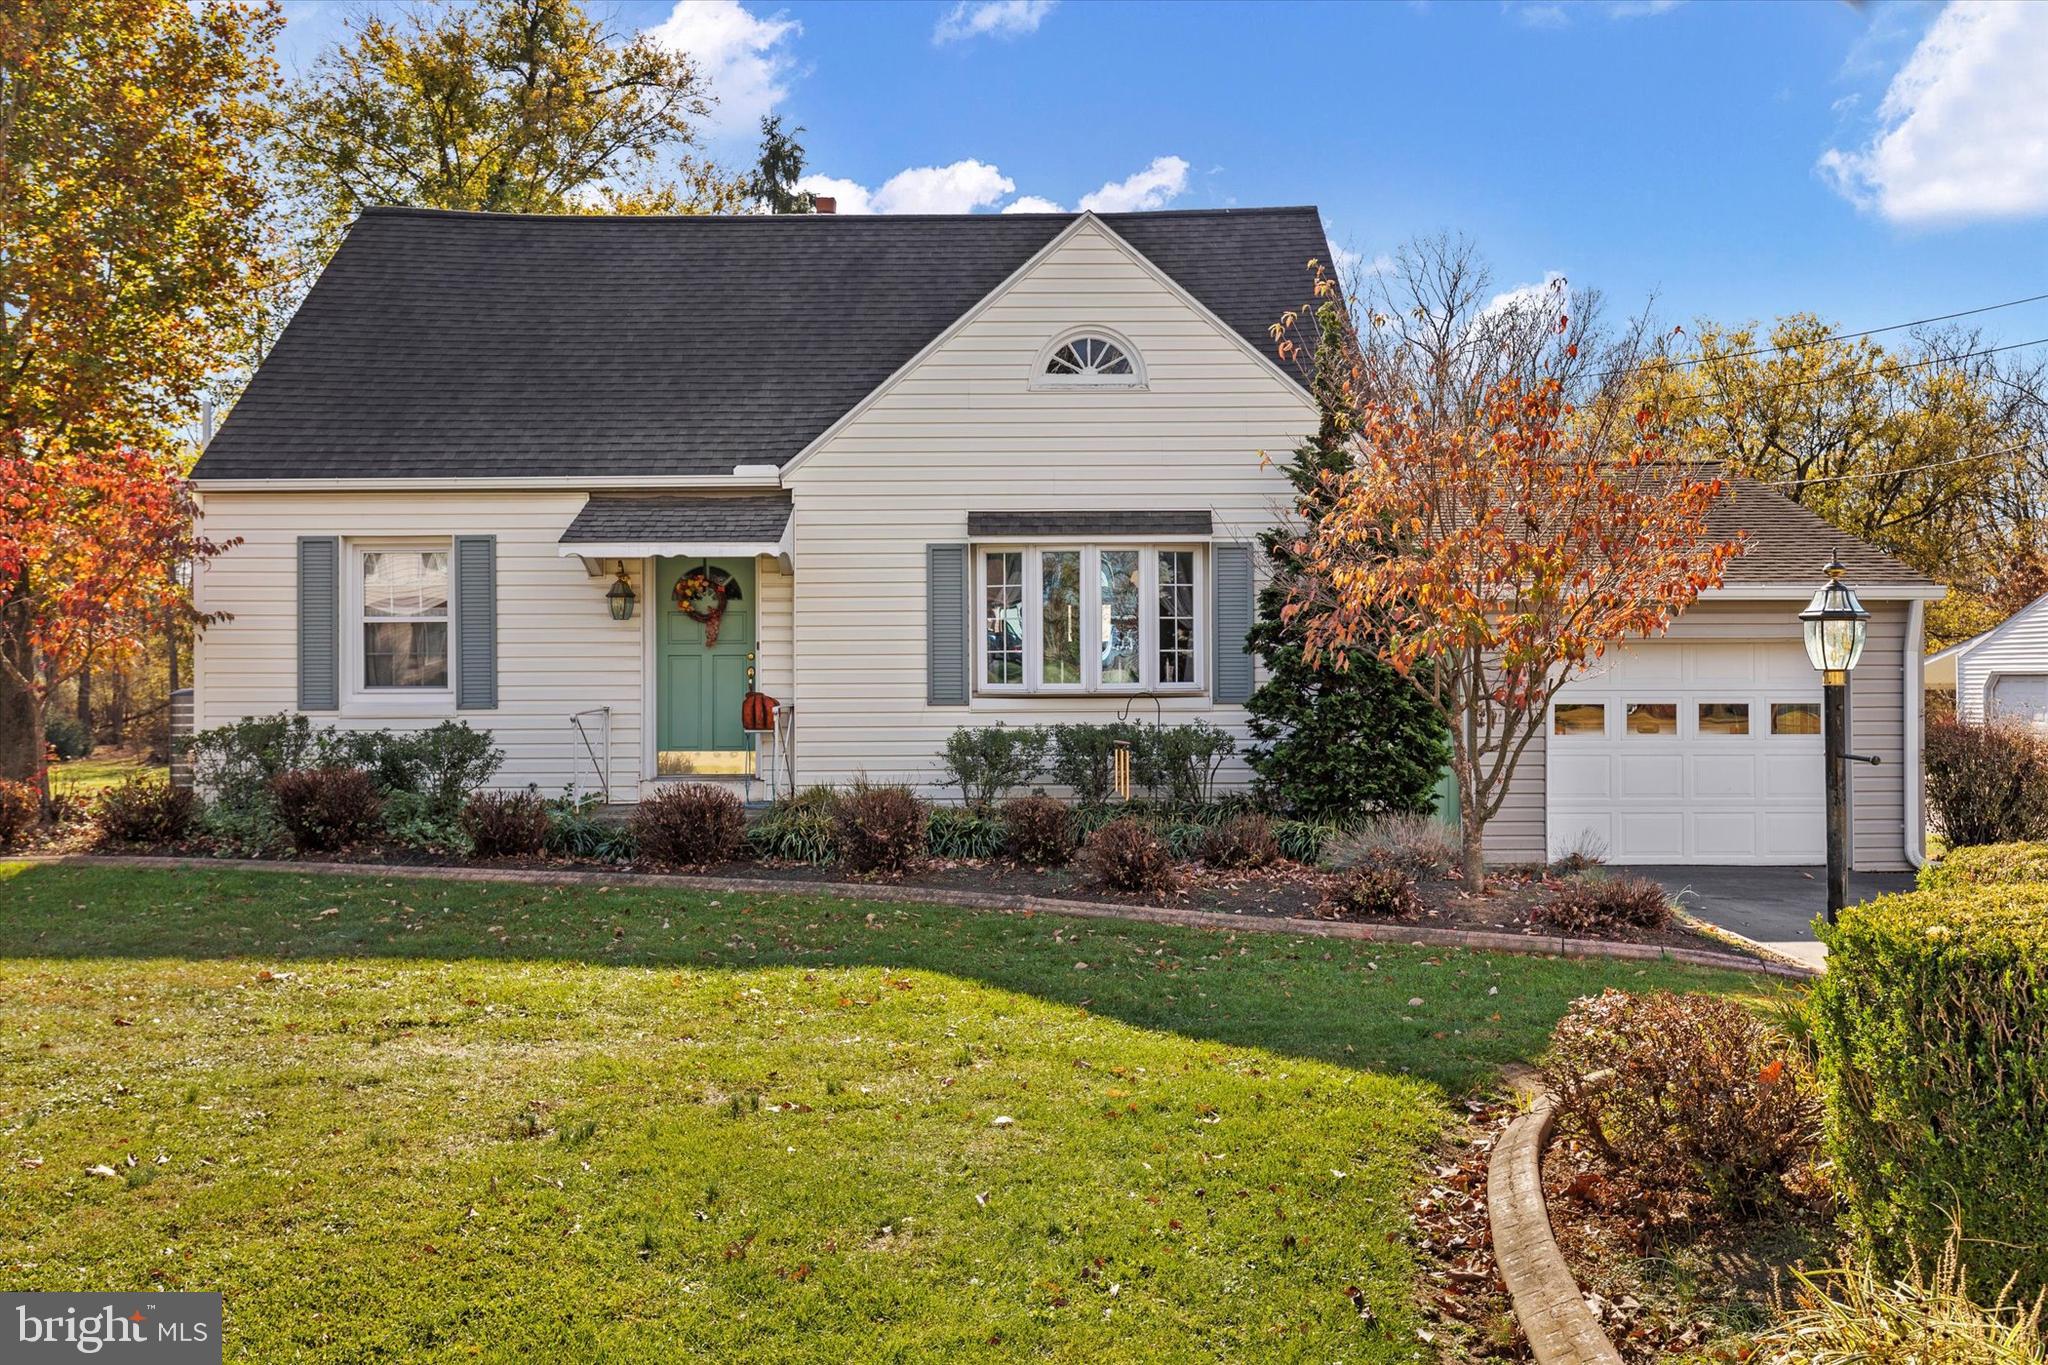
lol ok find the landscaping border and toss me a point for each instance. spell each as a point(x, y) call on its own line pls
point(1421, 936)
point(1560, 1327)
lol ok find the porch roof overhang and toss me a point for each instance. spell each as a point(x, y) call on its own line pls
point(640, 525)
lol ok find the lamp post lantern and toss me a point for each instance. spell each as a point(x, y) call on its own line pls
point(1835, 624)
point(621, 598)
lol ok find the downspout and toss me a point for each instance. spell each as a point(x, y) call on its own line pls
point(1916, 822)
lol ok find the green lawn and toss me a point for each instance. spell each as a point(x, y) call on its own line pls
point(87, 777)
point(416, 1120)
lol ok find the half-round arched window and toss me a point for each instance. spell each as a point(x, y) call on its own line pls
point(1090, 358)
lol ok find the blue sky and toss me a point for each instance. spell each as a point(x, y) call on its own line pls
point(1872, 164)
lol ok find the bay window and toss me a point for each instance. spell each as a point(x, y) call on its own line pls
point(1088, 618)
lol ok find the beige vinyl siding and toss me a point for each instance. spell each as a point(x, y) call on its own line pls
point(2018, 646)
point(1876, 723)
point(559, 651)
point(964, 430)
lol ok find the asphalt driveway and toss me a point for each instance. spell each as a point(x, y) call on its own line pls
point(1776, 906)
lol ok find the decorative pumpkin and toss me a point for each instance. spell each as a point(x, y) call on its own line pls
point(757, 711)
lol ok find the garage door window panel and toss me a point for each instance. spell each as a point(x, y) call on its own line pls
point(1652, 718)
point(1724, 718)
point(1795, 717)
point(1579, 718)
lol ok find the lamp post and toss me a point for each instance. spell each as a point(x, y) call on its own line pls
point(1835, 624)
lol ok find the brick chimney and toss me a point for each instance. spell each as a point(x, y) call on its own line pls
point(827, 204)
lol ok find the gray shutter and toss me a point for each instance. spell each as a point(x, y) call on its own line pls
point(475, 615)
point(945, 627)
point(1233, 621)
point(319, 623)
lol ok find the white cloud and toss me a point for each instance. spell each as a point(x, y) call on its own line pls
point(1541, 16)
point(1353, 265)
point(1547, 292)
point(1031, 203)
point(991, 18)
point(961, 187)
point(742, 56)
point(1640, 9)
point(1962, 131)
point(1152, 188)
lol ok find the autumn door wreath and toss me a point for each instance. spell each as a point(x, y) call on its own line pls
point(691, 592)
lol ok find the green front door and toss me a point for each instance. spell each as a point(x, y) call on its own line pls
point(701, 683)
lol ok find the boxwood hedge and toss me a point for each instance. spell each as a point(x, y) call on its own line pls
point(1932, 1026)
point(2021, 862)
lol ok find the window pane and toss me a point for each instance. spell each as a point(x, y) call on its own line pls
point(1059, 605)
point(405, 654)
point(1580, 718)
point(405, 583)
point(1795, 717)
point(1176, 617)
point(1003, 618)
point(1652, 718)
point(1119, 618)
point(1724, 717)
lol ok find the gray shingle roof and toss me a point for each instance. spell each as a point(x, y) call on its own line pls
point(1088, 523)
point(1788, 544)
point(609, 518)
point(440, 344)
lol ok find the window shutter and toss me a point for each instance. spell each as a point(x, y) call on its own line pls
point(319, 623)
point(475, 612)
point(1232, 622)
point(946, 632)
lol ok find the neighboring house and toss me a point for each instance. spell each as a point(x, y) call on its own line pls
point(2001, 674)
point(940, 471)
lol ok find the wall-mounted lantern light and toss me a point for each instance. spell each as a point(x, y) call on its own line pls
point(622, 597)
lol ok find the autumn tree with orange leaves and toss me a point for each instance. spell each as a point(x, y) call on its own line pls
point(132, 258)
point(1495, 522)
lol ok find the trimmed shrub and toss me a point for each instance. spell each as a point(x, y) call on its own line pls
point(140, 811)
point(1241, 842)
point(505, 824)
point(1181, 762)
point(20, 807)
point(692, 825)
point(1591, 902)
point(1987, 784)
point(1693, 1096)
point(324, 809)
point(64, 734)
point(1932, 1024)
point(987, 762)
point(1373, 890)
point(443, 764)
point(1083, 758)
point(236, 764)
point(802, 828)
point(1419, 845)
point(1038, 830)
point(1986, 864)
point(880, 829)
point(957, 832)
point(1125, 855)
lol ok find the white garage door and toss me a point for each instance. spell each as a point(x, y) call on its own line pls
point(2022, 697)
point(1690, 753)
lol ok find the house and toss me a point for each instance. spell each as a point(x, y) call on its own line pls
point(2001, 674)
point(903, 474)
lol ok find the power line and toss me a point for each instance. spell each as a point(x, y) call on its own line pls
point(1887, 368)
point(1903, 469)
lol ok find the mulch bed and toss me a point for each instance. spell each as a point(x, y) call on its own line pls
point(1285, 891)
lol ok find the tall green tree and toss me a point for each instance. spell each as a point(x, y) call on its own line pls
point(781, 165)
point(1340, 737)
point(132, 259)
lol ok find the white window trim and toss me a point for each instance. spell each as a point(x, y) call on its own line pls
point(359, 700)
point(1137, 379)
point(1091, 684)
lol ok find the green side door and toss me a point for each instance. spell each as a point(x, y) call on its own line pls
point(700, 684)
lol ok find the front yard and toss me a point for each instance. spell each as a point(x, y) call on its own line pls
point(418, 1120)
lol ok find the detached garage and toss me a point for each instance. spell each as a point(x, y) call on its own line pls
point(1704, 745)
point(2001, 674)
